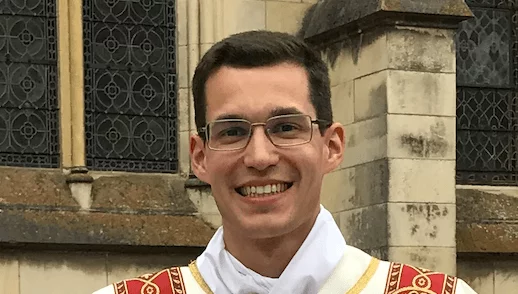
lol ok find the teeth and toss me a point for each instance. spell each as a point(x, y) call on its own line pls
point(256, 191)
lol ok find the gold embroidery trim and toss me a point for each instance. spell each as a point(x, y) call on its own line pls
point(365, 278)
point(197, 276)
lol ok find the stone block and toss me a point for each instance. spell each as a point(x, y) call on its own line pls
point(285, 16)
point(183, 66)
point(408, 177)
point(506, 276)
point(58, 273)
point(125, 266)
point(440, 259)
point(370, 95)
point(338, 190)
point(181, 21)
point(478, 274)
point(351, 63)
point(421, 49)
point(413, 136)
point(342, 101)
point(9, 275)
point(243, 15)
point(366, 141)
point(421, 224)
point(365, 228)
point(423, 93)
point(183, 109)
point(371, 184)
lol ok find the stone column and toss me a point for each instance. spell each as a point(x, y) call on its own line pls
point(394, 88)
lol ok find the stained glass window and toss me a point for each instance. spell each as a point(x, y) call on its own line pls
point(130, 85)
point(29, 127)
point(487, 92)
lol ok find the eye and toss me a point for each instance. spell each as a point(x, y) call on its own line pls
point(284, 127)
point(233, 132)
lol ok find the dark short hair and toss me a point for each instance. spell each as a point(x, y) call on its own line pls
point(263, 48)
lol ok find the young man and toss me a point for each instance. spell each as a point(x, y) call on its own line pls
point(266, 138)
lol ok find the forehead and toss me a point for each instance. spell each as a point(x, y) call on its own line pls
point(258, 93)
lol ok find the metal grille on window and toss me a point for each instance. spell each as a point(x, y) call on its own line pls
point(487, 94)
point(130, 85)
point(29, 128)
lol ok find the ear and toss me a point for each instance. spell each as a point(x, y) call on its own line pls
point(335, 146)
point(197, 154)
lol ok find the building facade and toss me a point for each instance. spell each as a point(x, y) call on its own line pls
point(96, 111)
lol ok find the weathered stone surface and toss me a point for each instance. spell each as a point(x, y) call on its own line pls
point(243, 15)
point(66, 227)
point(50, 273)
point(370, 95)
point(183, 109)
point(354, 59)
point(478, 273)
point(366, 141)
point(338, 190)
point(183, 66)
point(184, 160)
point(430, 137)
point(421, 49)
point(432, 258)
point(9, 274)
point(420, 180)
point(506, 276)
point(181, 21)
point(480, 205)
point(487, 237)
point(329, 15)
point(285, 17)
point(421, 93)
point(365, 228)
point(23, 186)
point(141, 192)
point(342, 101)
point(371, 184)
point(421, 224)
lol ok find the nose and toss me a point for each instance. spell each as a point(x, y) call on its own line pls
point(260, 153)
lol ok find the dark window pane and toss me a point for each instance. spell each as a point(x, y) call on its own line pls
point(130, 85)
point(29, 126)
point(487, 94)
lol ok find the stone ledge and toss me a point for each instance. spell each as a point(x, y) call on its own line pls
point(481, 204)
point(36, 206)
point(329, 16)
point(79, 228)
point(487, 238)
point(487, 219)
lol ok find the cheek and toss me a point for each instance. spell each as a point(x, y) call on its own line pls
point(220, 165)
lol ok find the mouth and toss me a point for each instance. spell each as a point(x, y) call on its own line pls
point(263, 190)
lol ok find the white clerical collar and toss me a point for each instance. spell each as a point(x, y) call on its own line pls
point(306, 273)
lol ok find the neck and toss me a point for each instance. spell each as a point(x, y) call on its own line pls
point(267, 256)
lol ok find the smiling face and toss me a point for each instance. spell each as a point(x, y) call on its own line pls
point(264, 191)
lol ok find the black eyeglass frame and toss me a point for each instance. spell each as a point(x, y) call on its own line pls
point(323, 124)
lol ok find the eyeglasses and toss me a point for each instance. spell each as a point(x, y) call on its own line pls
point(282, 131)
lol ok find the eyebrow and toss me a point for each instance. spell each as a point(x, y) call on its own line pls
point(274, 112)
